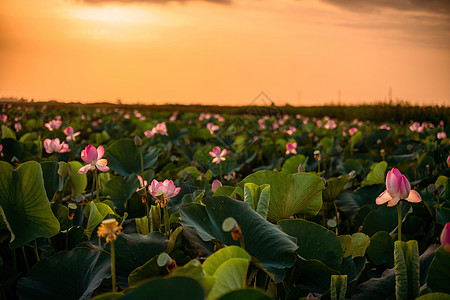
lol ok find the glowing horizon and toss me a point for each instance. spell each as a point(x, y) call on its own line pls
point(226, 53)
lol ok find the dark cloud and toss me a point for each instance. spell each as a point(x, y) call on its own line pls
point(154, 1)
point(434, 6)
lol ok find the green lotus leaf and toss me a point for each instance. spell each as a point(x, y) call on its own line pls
point(230, 275)
point(381, 249)
point(263, 240)
point(407, 269)
point(66, 275)
point(334, 187)
point(338, 287)
point(24, 205)
point(52, 181)
point(134, 250)
point(96, 213)
point(168, 289)
point(434, 296)
point(124, 157)
point(290, 194)
point(376, 174)
point(439, 272)
point(314, 241)
point(245, 294)
point(78, 182)
point(8, 133)
point(120, 189)
point(215, 260)
point(291, 164)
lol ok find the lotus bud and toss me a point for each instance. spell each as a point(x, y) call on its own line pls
point(448, 161)
point(445, 238)
point(137, 141)
point(301, 168)
point(215, 185)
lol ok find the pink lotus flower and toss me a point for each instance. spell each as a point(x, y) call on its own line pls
point(142, 182)
point(53, 125)
point(160, 128)
point(384, 126)
point(55, 146)
point(70, 134)
point(217, 155)
point(162, 191)
point(416, 127)
point(1, 149)
point(18, 127)
point(291, 130)
point(93, 158)
point(211, 127)
point(215, 185)
point(3, 118)
point(142, 190)
point(445, 238)
point(330, 125)
point(397, 188)
point(291, 148)
point(319, 123)
point(352, 131)
point(448, 161)
point(441, 135)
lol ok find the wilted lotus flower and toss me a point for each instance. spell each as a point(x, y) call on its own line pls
point(109, 229)
point(330, 125)
point(55, 146)
point(3, 118)
point(162, 191)
point(441, 135)
point(384, 126)
point(211, 127)
point(218, 155)
point(352, 131)
point(93, 158)
point(291, 148)
point(70, 134)
point(215, 185)
point(53, 125)
point(445, 238)
point(397, 188)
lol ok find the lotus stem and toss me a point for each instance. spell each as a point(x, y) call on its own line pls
point(166, 221)
point(93, 185)
point(36, 251)
point(26, 260)
point(147, 206)
point(113, 267)
point(337, 216)
point(399, 216)
point(97, 182)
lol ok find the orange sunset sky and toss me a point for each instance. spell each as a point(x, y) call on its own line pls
point(225, 52)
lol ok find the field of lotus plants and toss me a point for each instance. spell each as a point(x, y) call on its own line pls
point(116, 203)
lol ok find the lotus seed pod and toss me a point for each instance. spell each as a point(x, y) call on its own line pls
point(230, 225)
